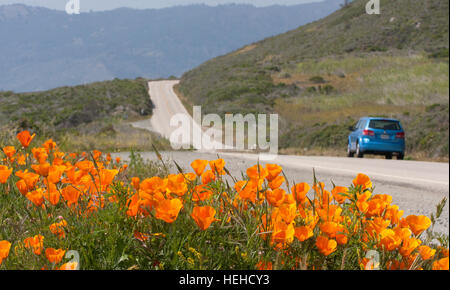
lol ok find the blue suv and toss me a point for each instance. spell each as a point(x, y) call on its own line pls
point(376, 136)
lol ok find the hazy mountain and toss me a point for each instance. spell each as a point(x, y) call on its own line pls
point(42, 48)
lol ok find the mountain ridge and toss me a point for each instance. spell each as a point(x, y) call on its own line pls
point(45, 48)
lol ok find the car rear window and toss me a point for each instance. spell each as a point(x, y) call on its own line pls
point(384, 125)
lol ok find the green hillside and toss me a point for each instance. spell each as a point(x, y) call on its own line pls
point(323, 76)
point(84, 117)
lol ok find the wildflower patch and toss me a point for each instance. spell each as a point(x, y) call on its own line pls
point(61, 210)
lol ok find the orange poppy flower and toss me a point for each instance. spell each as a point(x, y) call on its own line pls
point(441, 264)
point(199, 166)
point(389, 241)
point(69, 266)
point(341, 239)
point(283, 233)
point(55, 172)
point(264, 265)
point(273, 171)
point(147, 202)
point(22, 186)
point(376, 207)
point(338, 193)
point(257, 172)
point(40, 154)
point(426, 252)
point(86, 165)
point(152, 185)
point(5, 246)
point(168, 209)
point(49, 145)
point(402, 233)
point(208, 176)
point(21, 159)
point(289, 199)
point(325, 198)
point(107, 177)
point(54, 255)
point(299, 191)
point(201, 192)
point(9, 151)
point(362, 199)
point(30, 178)
point(58, 158)
point(52, 194)
point(71, 195)
point(418, 224)
point(4, 174)
point(135, 181)
point(319, 187)
point(203, 216)
point(287, 212)
point(36, 243)
point(246, 190)
point(190, 176)
point(176, 184)
point(363, 181)
point(58, 229)
point(217, 166)
point(443, 251)
point(377, 225)
point(36, 197)
point(325, 245)
point(303, 233)
point(384, 197)
point(331, 228)
point(330, 213)
point(141, 236)
point(108, 157)
point(408, 246)
point(25, 138)
point(41, 169)
point(133, 205)
point(276, 197)
point(96, 155)
point(277, 182)
point(393, 214)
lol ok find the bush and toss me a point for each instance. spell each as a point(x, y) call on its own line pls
point(317, 80)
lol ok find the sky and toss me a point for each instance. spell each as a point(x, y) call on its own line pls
point(97, 5)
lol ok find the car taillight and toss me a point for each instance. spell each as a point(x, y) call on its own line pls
point(368, 133)
point(400, 135)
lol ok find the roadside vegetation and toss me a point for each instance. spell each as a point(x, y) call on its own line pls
point(85, 117)
point(63, 210)
point(322, 77)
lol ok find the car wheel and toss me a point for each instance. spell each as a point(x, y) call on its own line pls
point(359, 154)
point(388, 156)
point(400, 156)
point(349, 151)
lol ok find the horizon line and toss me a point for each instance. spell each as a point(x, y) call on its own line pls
point(167, 7)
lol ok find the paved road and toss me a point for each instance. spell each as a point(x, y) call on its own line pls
point(415, 186)
point(167, 105)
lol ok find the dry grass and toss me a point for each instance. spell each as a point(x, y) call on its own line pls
point(124, 138)
point(244, 49)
